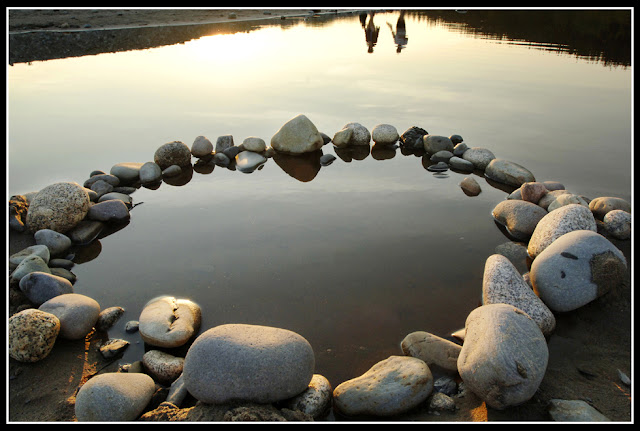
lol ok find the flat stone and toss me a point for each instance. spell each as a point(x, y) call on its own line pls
point(29, 264)
point(108, 317)
point(169, 322)
point(431, 349)
point(40, 250)
point(109, 211)
point(567, 199)
point(315, 400)
point(255, 144)
point(460, 164)
point(507, 172)
point(127, 172)
point(150, 172)
point(435, 143)
point(470, 186)
point(574, 411)
point(480, 157)
point(248, 161)
point(56, 242)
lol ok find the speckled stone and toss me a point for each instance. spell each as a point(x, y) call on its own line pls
point(519, 217)
point(315, 400)
point(602, 205)
point(172, 153)
point(108, 317)
point(58, 207)
point(163, 367)
point(32, 335)
point(384, 134)
point(618, 224)
point(567, 199)
point(360, 135)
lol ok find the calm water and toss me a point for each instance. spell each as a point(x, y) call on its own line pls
point(352, 256)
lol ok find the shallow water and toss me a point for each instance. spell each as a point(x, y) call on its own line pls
point(352, 256)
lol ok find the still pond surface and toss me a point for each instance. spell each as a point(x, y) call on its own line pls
point(355, 255)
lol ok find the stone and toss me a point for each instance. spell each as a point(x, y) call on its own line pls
point(360, 135)
point(574, 411)
point(342, 137)
point(107, 178)
point(59, 207)
point(39, 287)
point(100, 188)
point(109, 211)
point(201, 147)
point(470, 186)
point(446, 385)
point(248, 161)
point(150, 172)
point(86, 231)
point(412, 137)
point(298, 135)
point(566, 199)
point(172, 153)
point(509, 173)
point(113, 347)
point(315, 400)
point(108, 317)
point(577, 268)
point(519, 217)
point(440, 402)
point(435, 143)
point(431, 349)
point(29, 264)
point(327, 159)
point(221, 159)
point(503, 284)
point(127, 172)
point(438, 167)
point(618, 224)
point(441, 156)
point(533, 191)
point(480, 157)
point(172, 171)
point(56, 242)
point(113, 397)
point(557, 223)
point(553, 185)
point(177, 391)
point(77, 314)
point(391, 387)
point(119, 196)
point(169, 322)
point(459, 150)
point(252, 363)
point(516, 252)
point(600, 206)
point(163, 367)
point(504, 356)
point(460, 164)
point(223, 143)
point(40, 250)
point(384, 134)
point(32, 335)
point(255, 144)
point(551, 196)
point(456, 139)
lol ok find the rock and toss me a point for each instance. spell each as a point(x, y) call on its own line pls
point(516, 252)
point(150, 173)
point(169, 322)
point(519, 217)
point(86, 231)
point(460, 164)
point(551, 196)
point(248, 161)
point(504, 356)
point(446, 385)
point(438, 167)
point(456, 139)
point(315, 400)
point(201, 147)
point(113, 347)
point(602, 205)
point(29, 264)
point(177, 391)
point(440, 402)
point(480, 157)
point(342, 137)
point(100, 188)
point(58, 207)
point(220, 159)
point(435, 143)
point(442, 156)
point(117, 196)
point(391, 387)
point(384, 134)
point(18, 207)
point(618, 224)
point(39, 287)
point(163, 367)
point(113, 397)
point(172, 153)
point(566, 199)
point(574, 411)
point(412, 138)
point(255, 144)
point(431, 349)
point(252, 363)
point(131, 326)
point(360, 134)
point(223, 143)
point(109, 211)
point(509, 173)
point(503, 284)
point(110, 179)
point(553, 185)
point(263, 413)
point(555, 224)
point(56, 242)
point(172, 171)
point(127, 172)
point(32, 334)
point(532, 192)
point(40, 250)
point(77, 314)
point(327, 159)
point(459, 149)
point(470, 186)
point(108, 317)
point(298, 135)
point(577, 268)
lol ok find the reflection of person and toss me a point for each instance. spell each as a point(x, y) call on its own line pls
point(371, 33)
point(400, 35)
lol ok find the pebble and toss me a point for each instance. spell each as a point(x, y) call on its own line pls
point(172, 153)
point(248, 161)
point(470, 186)
point(384, 134)
point(456, 139)
point(127, 172)
point(551, 196)
point(177, 392)
point(327, 159)
point(459, 149)
point(574, 411)
point(431, 349)
point(223, 143)
point(201, 147)
point(163, 367)
point(446, 385)
point(557, 223)
point(150, 172)
point(315, 400)
point(110, 179)
point(516, 252)
point(360, 135)
point(618, 224)
point(39, 250)
point(600, 206)
point(39, 287)
point(342, 137)
point(435, 143)
point(507, 172)
point(441, 402)
point(77, 314)
point(32, 334)
point(567, 199)
point(114, 397)
point(109, 211)
point(460, 164)
point(117, 196)
point(252, 363)
point(504, 356)
point(172, 171)
point(86, 231)
point(132, 326)
point(391, 387)
point(480, 157)
point(108, 317)
point(169, 322)
point(532, 191)
point(412, 138)
point(113, 347)
point(438, 167)
point(519, 217)
point(441, 156)
point(577, 268)
point(59, 207)
point(56, 242)
point(255, 144)
point(298, 135)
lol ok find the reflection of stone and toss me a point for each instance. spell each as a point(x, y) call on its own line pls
point(383, 152)
point(353, 152)
point(302, 167)
point(248, 161)
point(183, 178)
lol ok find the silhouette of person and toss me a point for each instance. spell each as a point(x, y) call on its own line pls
point(400, 35)
point(371, 33)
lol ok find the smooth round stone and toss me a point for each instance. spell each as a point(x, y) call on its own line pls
point(56, 242)
point(118, 196)
point(509, 173)
point(127, 172)
point(577, 268)
point(602, 205)
point(298, 135)
point(441, 156)
point(480, 157)
point(456, 139)
point(553, 185)
point(391, 387)
point(384, 134)
point(58, 207)
point(114, 397)
point(460, 164)
point(532, 192)
point(618, 224)
point(566, 199)
point(39, 287)
point(77, 314)
point(431, 349)
point(551, 196)
point(516, 252)
point(435, 143)
point(172, 171)
point(248, 161)
point(169, 322)
point(315, 400)
point(29, 264)
point(248, 362)
point(150, 172)
point(163, 367)
point(201, 147)
point(32, 335)
point(360, 135)
point(342, 137)
point(255, 144)
point(520, 218)
point(221, 159)
point(574, 411)
point(172, 153)
point(40, 250)
point(438, 167)
point(111, 210)
point(470, 186)
point(504, 356)
point(107, 178)
point(503, 284)
point(557, 223)
point(108, 317)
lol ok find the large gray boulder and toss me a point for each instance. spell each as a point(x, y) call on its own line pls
point(298, 135)
point(59, 207)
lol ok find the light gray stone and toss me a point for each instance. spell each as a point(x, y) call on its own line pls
point(391, 387)
point(315, 400)
point(435, 143)
point(566, 199)
point(77, 314)
point(39, 287)
point(602, 205)
point(32, 334)
point(519, 217)
point(574, 411)
point(59, 207)
point(504, 356)
point(509, 173)
point(56, 242)
point(162, 366)
point(480, 157)
point(27, 265)
point(255, 144)
point(40, 250)
point(169, 322)
point(551, 196)
point(172, 153)
point(431, 349)
point(127, 172)
point(618, 224)
point(223, 143)
point(384, 134)
point(360, 135)
point(201, 147)
point(296, 136)
point(342, 137)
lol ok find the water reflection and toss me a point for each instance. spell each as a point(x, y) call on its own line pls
point(400, 35)
point(371, 32)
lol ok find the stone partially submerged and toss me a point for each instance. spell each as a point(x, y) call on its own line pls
point(298, 135)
